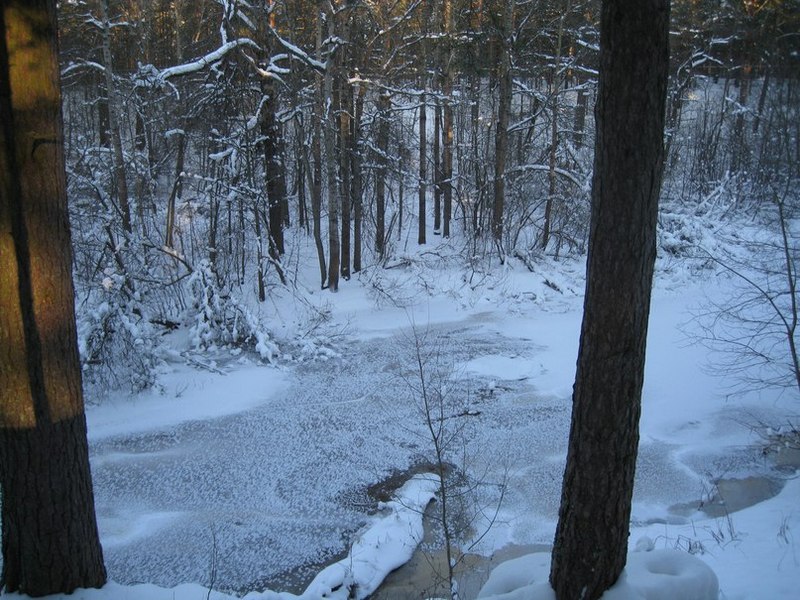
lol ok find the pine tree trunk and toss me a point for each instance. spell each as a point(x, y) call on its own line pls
point(591, 542)
point(50, 541)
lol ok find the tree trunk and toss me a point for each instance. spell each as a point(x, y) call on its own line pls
point(437, 168)
point(120, 178)
point(555, 88)
point(330, 161)
point(384, 102)
point(177, 9)
point(316, 152)
point(762, 99)
point(580, 115)
point(400, 196)
point(175, 195)
point(273, 169)
point(261, 284)
point(345, 106)
point(501, 135)
point(423, 164)
point(300, 182)
point(591, 541)
point(739, 161)
point(102, 113)
point(478, 171)
point(274, 150)
point(447, 124)
point(356, 179)
point(50, 541)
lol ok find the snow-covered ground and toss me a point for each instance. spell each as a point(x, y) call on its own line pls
point(245, 477)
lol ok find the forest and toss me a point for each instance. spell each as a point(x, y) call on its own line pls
point(328, 262)
point(206, 142)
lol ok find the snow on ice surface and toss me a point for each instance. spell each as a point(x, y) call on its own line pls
point(267, 470)
point(384, 544)
point(185, 395)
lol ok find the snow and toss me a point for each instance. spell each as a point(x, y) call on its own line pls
point(754, 555)
point(387, 544)
point(654, 575)
point(271, 461)
point(202, 62)
point(185, 395)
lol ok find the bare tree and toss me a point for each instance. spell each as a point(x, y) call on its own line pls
point(752, 332)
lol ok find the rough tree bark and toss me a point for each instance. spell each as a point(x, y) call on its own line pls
point(591, 542)
point(50, 541)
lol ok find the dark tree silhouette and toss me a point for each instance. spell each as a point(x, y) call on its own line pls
point(50, 541)
point(590, 547)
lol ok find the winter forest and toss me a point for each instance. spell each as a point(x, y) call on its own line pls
point(329, 262)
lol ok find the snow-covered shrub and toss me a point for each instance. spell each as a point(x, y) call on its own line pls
point(116, 341)
point(681, 234)
point(217, 318)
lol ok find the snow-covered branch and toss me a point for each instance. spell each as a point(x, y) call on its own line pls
point(201, 63)
point(563, 172)
point(300, 54)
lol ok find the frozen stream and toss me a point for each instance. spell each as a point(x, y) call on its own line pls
point(262, 498)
